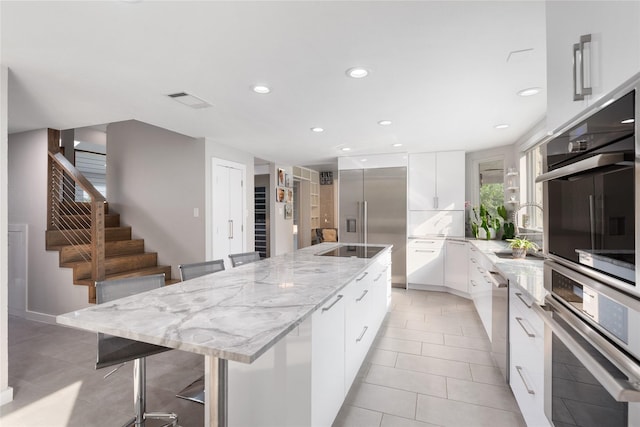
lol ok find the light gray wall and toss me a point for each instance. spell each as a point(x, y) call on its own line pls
point(50, 288)
point(155, 179)
point(6, 392)
point(214, 149)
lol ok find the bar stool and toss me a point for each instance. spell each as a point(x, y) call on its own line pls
point(113, 350)
point(244, 258)
point(195, 390)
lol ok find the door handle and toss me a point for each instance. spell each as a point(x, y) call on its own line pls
point(529, 390)
point(579, 48)
point(364, 331)
point(519, 295)
point(366, 291)
point(338, 298)
point(230, 229)
point(529, 334)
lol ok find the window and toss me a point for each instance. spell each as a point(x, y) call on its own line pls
point(492, 185)
point(530, 216)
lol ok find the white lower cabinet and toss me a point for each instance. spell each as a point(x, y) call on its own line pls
point(303, 379)
point(526, 335)
point(358, 325)
point(327, 361)
point(456, 271)
point(425, 262)
point(481, 287)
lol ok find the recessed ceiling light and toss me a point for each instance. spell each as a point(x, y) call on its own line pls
point(529, 91)
point(384, 122)
point(357, 72)
point(317, 129)
point(363, 160)
point(346, 149)
point(261, 89)
point(397, 144)
point(627, 121)
point(502, 126)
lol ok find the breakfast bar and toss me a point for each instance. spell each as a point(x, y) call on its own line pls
point(268, 314)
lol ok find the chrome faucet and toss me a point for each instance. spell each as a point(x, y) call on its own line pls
point(515, 217)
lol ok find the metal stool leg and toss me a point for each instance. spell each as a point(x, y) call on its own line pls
point(139, 389)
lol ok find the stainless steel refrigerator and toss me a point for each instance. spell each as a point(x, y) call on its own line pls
point(373, 210)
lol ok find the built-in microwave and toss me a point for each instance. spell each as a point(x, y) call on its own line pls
point(590, 193)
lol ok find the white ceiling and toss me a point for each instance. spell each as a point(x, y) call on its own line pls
point(439, 71)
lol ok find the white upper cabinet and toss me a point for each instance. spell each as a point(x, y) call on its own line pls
point(436, 181)
point(608, 60)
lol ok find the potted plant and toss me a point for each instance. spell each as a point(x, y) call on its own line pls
point(508, 228)
point(483, 225)
point(520, 245)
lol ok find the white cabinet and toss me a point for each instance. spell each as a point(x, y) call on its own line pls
point(526, 336)
point(481, 287)
point(425, 262)
point(437, 181)
point(327, 361)
point(456, 271)
point(612, 56)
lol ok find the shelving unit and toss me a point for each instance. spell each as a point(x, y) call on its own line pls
point(315, 199)
point(261, 231)
point(512, 187)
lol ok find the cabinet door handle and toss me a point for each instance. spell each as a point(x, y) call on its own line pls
point(380, 275)
point(453, 242)
point(473, 282)
point(362, 277)
point(579, 48)
point(338, 298)
point(366, 291)
point(529, 334)
point(231, 229)
point(364, 331)
point(482, 270)
point(519, 295)
point(435, 202)
point(473, 260)
point(425, 251)
point(529, 390)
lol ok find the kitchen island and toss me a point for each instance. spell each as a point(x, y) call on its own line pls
point(272, 325)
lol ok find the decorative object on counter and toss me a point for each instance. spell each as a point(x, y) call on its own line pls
point(483, 224)
point(508, 228)
point(519, 246)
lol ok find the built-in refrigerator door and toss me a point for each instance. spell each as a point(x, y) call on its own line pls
point(350, 229)
point(385, 199)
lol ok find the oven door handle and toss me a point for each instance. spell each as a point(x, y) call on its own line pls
point(620, 390)
point(595, 162)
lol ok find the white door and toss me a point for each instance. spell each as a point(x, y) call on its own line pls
point(17, 270)
point(228, 209)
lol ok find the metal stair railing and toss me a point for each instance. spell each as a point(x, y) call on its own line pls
point(70, 217)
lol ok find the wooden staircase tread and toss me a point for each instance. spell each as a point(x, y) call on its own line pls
point(72, 264)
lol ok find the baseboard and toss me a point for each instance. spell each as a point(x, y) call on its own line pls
point(436, 288)
point(6, 395)
point(40, 317)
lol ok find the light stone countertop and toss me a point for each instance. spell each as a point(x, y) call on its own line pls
point(525, 273)
point(235, 314)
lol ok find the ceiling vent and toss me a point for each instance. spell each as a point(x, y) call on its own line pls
point(189, 100)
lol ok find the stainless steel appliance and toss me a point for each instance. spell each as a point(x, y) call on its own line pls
point(500, 322)
point(590, 192)
point(592, 348)
point(373, 210)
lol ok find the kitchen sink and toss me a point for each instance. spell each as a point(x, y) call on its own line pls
point(509, 255)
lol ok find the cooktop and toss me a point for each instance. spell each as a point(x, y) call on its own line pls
point(353, 251)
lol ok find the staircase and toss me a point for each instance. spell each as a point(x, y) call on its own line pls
point(124, 256)
point(89, 238)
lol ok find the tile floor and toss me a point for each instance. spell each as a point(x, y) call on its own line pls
point(429, 366)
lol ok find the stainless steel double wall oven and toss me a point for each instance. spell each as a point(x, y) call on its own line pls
point(592, 342)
